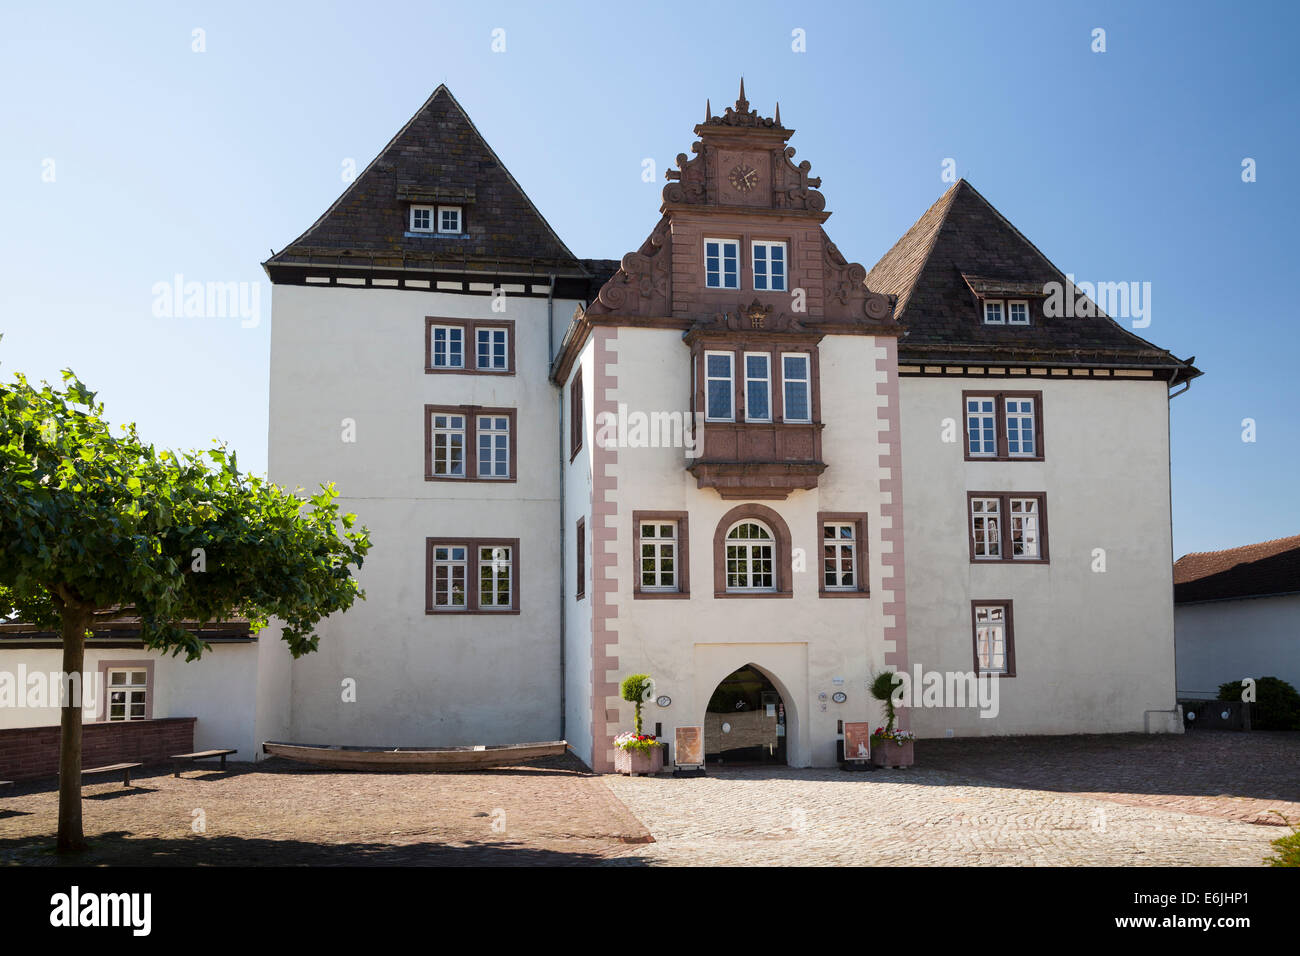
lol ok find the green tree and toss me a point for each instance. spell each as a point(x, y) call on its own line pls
point(95, 525)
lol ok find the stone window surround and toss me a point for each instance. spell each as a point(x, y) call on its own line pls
point(738, 345)
point(471, 413)
point(782, 564)
point(580, 552)
point(1004, 526)
point(471, 574)
point(683, 559)
point(1009, 630)
point(1000, 420)
point(470, 354)
point(859, 521)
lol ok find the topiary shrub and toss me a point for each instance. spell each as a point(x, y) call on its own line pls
point(633, 689)
point(1276, 706)
point(882, 688)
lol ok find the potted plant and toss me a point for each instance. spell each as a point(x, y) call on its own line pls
point(637, 752)
point(889, 747)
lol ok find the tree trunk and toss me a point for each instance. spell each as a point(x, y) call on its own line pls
point(71, 839)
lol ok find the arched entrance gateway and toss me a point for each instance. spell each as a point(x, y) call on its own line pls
point(746, 721)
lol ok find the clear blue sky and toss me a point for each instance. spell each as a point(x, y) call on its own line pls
point(1123, 165)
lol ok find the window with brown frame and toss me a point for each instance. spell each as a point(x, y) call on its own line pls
point(661, 554)
point(1008, 526)
point(471, 576)
point(757, 383)
point(752, 555)
point(993, 638)
point(469, 443)
point(469, 346)
point(843, 537)
point(576, 423)
point(580, 552)
point(1003, 426)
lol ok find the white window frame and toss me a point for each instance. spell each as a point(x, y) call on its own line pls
point(460, 221)
point(841, 546)
point(451, 331)
point(659, 548)
point(1029, 418)
point(765, 380)
point(495, 335)
point(770, 281)
point(991, 415)
point(131, 689)
point(445, 433)
point(1027, 518)
point(995, 633)
point(721, 273)
point(986, 528)
point(451, 563)
point(497, 432)
point(752, 556)
point(731, 387)
point(805, 382)
point(433, 218)
point(499, 569)
point(1012, 306)
point(1001, 312)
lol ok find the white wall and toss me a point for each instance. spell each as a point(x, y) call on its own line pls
point(1093, 651)
point(803, 642)
point(421, 680)
point(218, 689)
point(577, 619)
point(1221, 641)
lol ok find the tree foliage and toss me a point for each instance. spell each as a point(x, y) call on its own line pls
point(105, 522)
point(95, 525)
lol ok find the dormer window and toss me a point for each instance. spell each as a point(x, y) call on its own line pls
point(722, 263)
point(449, 220)
point(1017, 313)
point(994, 314)
point(421, 219)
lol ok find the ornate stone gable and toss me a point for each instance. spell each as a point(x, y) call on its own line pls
point(743, 186)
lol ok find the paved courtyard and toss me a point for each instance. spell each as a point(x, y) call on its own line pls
point(1130, 800)
point(1060, 801)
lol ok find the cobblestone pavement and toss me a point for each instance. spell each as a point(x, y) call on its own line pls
point(947, 811)
point(1218, 773)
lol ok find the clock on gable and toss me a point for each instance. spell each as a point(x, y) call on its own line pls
point(743, 177)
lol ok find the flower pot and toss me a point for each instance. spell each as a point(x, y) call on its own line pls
point(891, 753)
point(638, 761)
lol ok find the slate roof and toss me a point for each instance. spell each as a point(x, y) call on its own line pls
point(438, 156)
point(962, 245)
point(1255, 570)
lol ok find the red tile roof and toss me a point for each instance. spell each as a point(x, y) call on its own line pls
point(1254, 570)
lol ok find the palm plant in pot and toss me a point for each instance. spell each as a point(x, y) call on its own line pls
point(890, 747)
point(637, 752)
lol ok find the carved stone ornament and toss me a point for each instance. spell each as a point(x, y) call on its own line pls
point(846, 287)
point(754, 317)
point(643, 283)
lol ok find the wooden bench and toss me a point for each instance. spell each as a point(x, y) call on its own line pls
point(6, 783)
point(199, 755)
point(126, 769)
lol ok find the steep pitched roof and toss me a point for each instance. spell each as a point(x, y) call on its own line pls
point(962, 244)
point(1254, 570)
point(438, 156)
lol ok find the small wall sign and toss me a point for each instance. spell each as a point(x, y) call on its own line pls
point(663, 700)
point(689, 747)
point(839, 697)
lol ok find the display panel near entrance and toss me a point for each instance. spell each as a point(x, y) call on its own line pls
point(745, 722)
